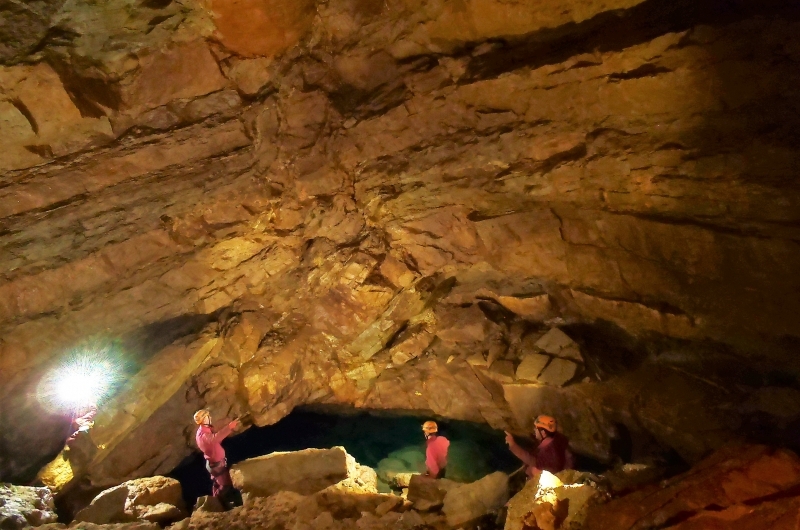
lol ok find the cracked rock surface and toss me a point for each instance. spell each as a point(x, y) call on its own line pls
point(391, 205)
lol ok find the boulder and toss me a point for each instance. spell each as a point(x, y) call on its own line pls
point(426, 493)
point(551, 502)
point(575, 500)
point(389, 505)
point(161, 513)
point(402, 480)
point(208, 504)
point(150, 491)
point(304, 472)
point(535, 505)
point(156, 499)
point(467, 502)
point(23, 506)
point(107, 507)
point(360, 479)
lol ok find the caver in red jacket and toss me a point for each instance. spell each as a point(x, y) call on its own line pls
point(436, 455)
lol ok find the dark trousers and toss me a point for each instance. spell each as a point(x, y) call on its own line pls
point(223, 488)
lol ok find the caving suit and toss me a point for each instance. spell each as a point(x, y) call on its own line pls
point(210, 443)
point(436, 455)
point(551, 455)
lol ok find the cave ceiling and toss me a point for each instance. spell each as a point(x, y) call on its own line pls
point(261, 204)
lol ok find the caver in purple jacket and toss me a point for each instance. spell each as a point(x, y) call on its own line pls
point(551, 455)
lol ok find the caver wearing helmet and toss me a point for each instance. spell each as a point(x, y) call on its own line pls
point(202, 417)
point(210, 442)
point(552, 454)
point(435, 450)
point(429, 427)
point(546, 423)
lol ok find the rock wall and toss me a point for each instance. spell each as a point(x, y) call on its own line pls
point(387, 204)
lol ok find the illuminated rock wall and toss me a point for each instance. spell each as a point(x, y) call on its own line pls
point(264, 204)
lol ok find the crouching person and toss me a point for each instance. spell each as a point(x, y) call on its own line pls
point(209, 442)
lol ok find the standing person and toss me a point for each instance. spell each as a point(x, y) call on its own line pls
point(552, 454)
point(209, 443)
point(435, 451)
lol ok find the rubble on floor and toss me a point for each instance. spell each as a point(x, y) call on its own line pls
point(23, 507)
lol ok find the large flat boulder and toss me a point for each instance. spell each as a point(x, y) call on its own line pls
point(304, 472)
point(155, 499)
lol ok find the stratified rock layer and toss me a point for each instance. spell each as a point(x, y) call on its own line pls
point(736, 488)
point(389, 205)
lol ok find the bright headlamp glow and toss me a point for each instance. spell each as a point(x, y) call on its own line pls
point(83, 379)
point(82, 383)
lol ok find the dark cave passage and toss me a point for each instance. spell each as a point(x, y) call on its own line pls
point(380, 441)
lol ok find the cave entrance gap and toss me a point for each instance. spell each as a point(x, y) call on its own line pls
point(384, 442)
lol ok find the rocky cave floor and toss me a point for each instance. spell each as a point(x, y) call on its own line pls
point(738, 487)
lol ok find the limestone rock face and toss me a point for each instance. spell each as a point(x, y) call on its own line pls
point(262, 204)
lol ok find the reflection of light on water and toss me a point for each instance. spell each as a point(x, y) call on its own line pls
point(84, 378)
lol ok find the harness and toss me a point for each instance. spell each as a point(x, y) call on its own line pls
point(217, 468)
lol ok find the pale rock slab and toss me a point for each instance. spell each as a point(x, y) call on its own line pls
point(155, 499)
point(304, 472)
point(501, 371)
point(467, 502)
point(556, 342)
point(531, 366)
point(558, 373)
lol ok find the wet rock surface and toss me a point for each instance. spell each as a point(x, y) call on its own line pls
point(457, 209)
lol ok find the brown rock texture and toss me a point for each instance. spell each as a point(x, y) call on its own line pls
point(260, 204)
point(736, 488)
